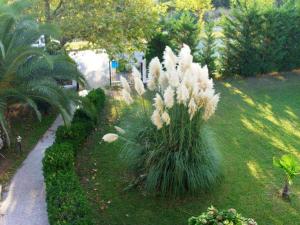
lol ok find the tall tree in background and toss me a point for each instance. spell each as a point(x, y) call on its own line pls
point(116, 25)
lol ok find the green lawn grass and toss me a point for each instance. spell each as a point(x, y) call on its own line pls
point(31, 130)
point(257, 119)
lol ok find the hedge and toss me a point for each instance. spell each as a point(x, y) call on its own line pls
point(66, 200)
point(260, 40)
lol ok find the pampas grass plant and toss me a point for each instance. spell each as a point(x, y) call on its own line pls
point(171, 149)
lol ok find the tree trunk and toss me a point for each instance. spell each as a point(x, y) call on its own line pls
point(48, 19)
point(285, 191)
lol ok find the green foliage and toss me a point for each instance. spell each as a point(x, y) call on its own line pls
point(97, 98)
point(221, 3)
point(212, 217)
point(289, 165)
point(66, 201)
point(27, 74)
point(59, 157)
point(177, 28)
point(175, 161)
point(260, 40)
point(117, 26)
point(207, 53)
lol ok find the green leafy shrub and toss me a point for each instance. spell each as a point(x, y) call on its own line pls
point(66, 201)
point(59, 157)
point(74, 134)
point(207, 54)
point(214, 217)
point(97, 98)
point(259, 40)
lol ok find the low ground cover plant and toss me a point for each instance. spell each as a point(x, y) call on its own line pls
point(173, 154)
point(215, 217)
point(66, 200)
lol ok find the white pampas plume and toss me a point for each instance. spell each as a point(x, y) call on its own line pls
point(182, 94)
point(127, 97)
point(166, 118)
point(169, 97)
point(138, 84)
point(155, 68)
point(170, 59)
point(158, 103)
point(109, 138)
point(211, 107)
point(192, 108)
point(120, 130)
point(163, 81)
point(125, 84)
point(156, 119)
point(173, 78)
point(151, 84)
point(185, 58)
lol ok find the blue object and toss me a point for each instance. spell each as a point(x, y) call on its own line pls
point(114, 64)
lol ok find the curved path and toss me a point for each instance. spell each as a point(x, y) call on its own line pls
point(25, 202)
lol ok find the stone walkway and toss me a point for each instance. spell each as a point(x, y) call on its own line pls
point(25, 202)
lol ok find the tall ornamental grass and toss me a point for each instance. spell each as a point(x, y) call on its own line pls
point(172, 154)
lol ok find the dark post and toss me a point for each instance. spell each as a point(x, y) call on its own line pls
point(109, 72)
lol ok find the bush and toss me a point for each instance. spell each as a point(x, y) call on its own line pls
point(59, 157)
point(207, 54)
point(97, 98)
point(213, 217)
point(66, 200)
point(259, 40)
point(74, 134)
point(171, 150)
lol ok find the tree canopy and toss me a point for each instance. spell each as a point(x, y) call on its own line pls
point(116, 25)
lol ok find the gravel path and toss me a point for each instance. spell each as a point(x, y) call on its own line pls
point(25, 202)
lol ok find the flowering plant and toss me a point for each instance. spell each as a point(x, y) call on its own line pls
point(174, 155)
point(212, 216)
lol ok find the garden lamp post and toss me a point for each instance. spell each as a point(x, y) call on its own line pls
point(19, 144)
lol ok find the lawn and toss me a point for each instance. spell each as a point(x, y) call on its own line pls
point(257, 118)
point(31, 130)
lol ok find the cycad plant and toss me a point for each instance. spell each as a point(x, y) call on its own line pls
point(173, 153)
point(29, 74)
point(291, 169)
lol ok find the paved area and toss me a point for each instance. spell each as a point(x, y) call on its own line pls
point(25, 202)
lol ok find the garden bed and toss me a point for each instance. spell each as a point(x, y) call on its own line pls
point(257, 118)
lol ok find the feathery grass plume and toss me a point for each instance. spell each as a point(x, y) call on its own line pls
point(155, 68)
point(120, 130)
point(109, 138)
point(127, 97)
point(163, 81)
point(158, 103)
point(170, 59)
point(138, 83)
point(166, 118)
point(125, 84)
point(182, 94)
point(192, 108)
point(211, 107)
point(169, 97)
point(156, 119)
point(185, 58)
point(172, 148)
point(152, 84)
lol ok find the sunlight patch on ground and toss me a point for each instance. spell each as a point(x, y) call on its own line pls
point(255, 170)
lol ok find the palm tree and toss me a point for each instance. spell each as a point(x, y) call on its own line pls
point(291, 168)
point(29, 74)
